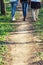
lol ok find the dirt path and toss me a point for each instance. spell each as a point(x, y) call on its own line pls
point(24, 44)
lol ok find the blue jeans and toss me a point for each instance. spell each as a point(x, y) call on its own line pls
point(13, 6)
point(25, 8)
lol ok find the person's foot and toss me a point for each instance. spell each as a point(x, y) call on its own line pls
point(24, 18)
point(13, 19)
point(34, 20)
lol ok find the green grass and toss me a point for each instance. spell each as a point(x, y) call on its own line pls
point(3, 51)
point(40, 55)
point(5, 29)
point(5, 23)
point(6, 26)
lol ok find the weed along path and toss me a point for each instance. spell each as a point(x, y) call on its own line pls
point(24, 44)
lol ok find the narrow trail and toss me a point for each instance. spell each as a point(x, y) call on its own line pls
point(24, 43)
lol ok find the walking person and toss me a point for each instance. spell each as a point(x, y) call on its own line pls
point(35, 6)
point(24, 8)
point(13, 6)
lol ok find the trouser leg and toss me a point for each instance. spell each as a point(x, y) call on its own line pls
point(37, 13)
point(13, 5)
point(24, 7)
point(33, 14)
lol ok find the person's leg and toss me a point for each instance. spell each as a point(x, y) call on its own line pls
point(12, 10)
point(14, 4)
point(37, 13)
point(24, 7)
point(33, 14)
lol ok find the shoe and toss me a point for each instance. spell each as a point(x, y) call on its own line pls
point(13, 19)
point(24, 18)
point(34, 20)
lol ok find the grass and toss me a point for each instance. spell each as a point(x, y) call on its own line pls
point(40, 55)
point(3, 51)
point(5, 23)
point(6, 26)
point(5, 29)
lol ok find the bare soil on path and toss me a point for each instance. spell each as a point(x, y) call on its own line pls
point(24, 44)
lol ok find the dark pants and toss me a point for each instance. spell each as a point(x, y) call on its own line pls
point(24, 8)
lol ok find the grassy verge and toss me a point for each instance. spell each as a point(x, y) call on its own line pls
point(5, 29)
point(3, 52)
point(6, 26)
point(5, 23)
